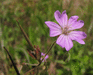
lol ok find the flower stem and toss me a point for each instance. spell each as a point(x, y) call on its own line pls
point(42, 59)
point(29, 64)
point(26, 37)
point(49, 50)
point(12, 62)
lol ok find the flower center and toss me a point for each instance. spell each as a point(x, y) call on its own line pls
point(65, 30)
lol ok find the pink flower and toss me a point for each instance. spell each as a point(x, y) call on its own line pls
point(65, 30)
point(42, 54)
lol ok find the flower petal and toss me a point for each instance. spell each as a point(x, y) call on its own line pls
point(55, 29)
point(68, 43)
point(58, 16)
point(72, 19)
point(80, 41)
point(61, 41)
point(54, 33)
point(46, 57)
point(77, 35)
point(65, 41)
point(61, 18)
point(42, 54)
point(77, 25)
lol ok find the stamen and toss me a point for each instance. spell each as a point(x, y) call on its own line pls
point(65, 30)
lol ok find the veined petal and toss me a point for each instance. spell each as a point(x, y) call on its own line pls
point(55, 29)
point(72, 20)
point(58, 17)
point(55, 32)
point(64, 41)
point(68, 43)
point(80, 41)
point(64, 18)
point(61, 18)
point(52, 25)
point(61, 41)
point(77, 35)
point(77, 25)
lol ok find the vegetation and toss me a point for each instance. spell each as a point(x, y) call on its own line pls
point(32, 15)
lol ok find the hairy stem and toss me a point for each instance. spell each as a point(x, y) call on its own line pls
point(12, 62)
point(26, 37)
point(48, 50)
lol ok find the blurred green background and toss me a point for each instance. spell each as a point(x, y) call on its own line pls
point(32, 14)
